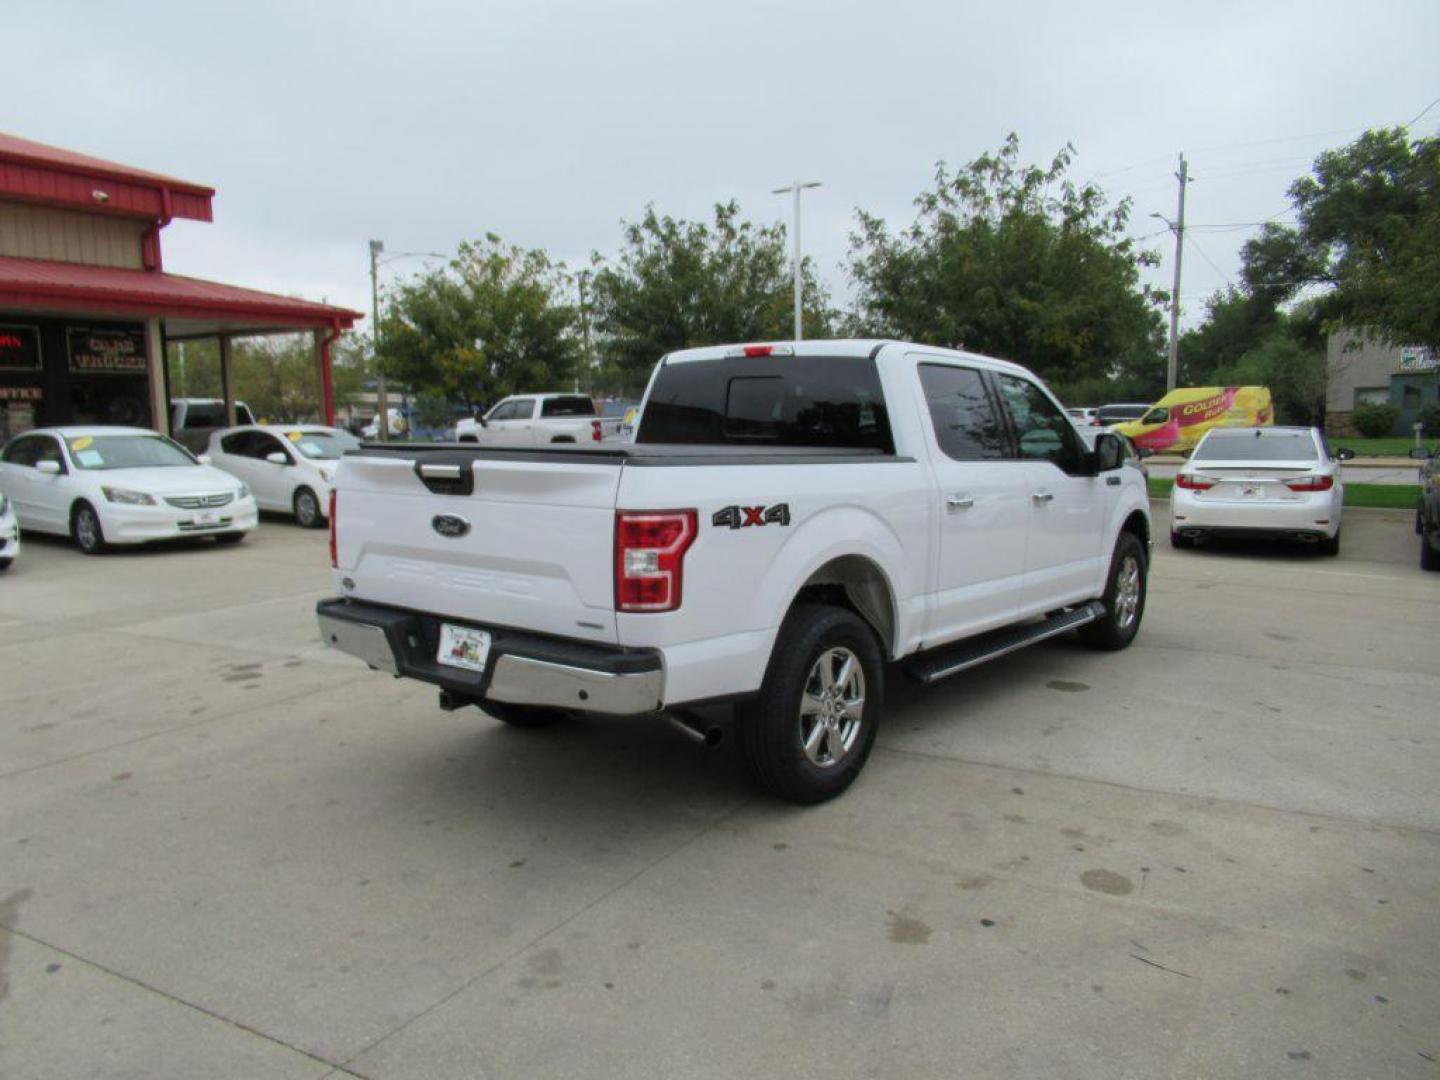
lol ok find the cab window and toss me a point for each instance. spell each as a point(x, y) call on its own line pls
point(967, 425)
point(1156, 416)
point(1042, 431)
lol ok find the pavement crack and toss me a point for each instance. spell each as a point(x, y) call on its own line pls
point(337, 1068)
point(1162, 967)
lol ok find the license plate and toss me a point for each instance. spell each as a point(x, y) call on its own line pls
point(207, 517)
point(463, 647)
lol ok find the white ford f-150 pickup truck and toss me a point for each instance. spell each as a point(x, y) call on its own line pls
point(789, 518)
point(537, 420)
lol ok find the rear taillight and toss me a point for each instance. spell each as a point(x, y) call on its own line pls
point(594, 430)
point(1194, 483)
point(1310, 483)
point(334, 562)
point(650, 548)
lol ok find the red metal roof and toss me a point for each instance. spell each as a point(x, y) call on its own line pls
point(38, 284)
point(37, 172)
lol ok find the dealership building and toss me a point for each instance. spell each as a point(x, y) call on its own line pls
point(87, 308)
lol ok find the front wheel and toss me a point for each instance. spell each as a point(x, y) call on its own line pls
point(85, 530)
point(1124, 597)
point(806, 736)
point(307, 508)
point(5, 564)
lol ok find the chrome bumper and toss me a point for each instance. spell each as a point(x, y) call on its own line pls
point(523, 669)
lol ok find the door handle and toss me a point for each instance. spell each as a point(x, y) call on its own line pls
point(959, 502)
point(1040, 498)
point(1113, 481)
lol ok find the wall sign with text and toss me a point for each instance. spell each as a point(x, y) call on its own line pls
point(19, 348)
point(115, 352)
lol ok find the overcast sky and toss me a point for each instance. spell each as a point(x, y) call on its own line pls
point(425, 123)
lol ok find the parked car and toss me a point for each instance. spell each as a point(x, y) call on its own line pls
point(287, 467)
point(538, 420)
point(119, 485)
point(789, 517)
point(1260, 482)
point(1109, 415)
point(193, 419)
point(1180, 419)
point(1427, 514)
point(9, 533)
point(1084, 417)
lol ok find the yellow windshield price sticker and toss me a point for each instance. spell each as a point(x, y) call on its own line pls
point(81, 443)
point(294, 436)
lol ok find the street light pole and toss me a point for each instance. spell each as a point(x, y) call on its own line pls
point(797, 187)
point(382, 423)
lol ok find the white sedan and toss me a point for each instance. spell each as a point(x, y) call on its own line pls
point(120, 485)
point(288, 467)
point(9, 533)
point(1278, 482)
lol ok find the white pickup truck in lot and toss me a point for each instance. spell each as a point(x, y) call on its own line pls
point(788, 519)
point(538, 420)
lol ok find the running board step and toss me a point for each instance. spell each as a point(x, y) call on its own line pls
point(952, 659)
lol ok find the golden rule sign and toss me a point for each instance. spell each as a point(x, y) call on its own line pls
point(112, 351)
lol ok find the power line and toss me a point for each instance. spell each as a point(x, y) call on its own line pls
point(1213, 265)
point(1423, 111)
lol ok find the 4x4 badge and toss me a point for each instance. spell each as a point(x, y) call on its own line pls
point(737, 517)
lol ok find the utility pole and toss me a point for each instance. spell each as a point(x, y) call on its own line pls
point(382, 412)
point(583, 279)
point(1178, 228)
point(797, 187)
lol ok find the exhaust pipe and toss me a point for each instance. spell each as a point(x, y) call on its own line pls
point(707, 734)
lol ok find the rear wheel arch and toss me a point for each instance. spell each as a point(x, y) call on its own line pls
point(857, 583)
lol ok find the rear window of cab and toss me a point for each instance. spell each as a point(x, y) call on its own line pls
point(830, 401)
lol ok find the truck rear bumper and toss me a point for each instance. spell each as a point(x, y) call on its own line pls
point(522, 668)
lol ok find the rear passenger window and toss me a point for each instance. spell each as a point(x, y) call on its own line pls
point(967, 427)
point(567, 406)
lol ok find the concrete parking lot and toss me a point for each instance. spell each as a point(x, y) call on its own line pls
point(225, 852)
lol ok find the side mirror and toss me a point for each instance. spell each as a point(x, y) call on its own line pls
point(1109, 451)
point(204, 459)
point(277, 457)
point(1418, 452)
point(48, 468)
point(1344, 454)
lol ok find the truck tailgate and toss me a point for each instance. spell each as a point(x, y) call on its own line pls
point(529, 544)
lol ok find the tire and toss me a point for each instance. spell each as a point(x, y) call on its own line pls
point(1329, 545)
point(1126, 587)
point(5, 564)
point(1181, 542)
point(1429, 550)
point(807, 734)
point(306, 505)
point(86, 531)
point(528, 716)
point(229, 538)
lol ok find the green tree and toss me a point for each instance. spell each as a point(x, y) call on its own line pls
point(1236, 321)
point(496, 321)
point(1015, 261)
point(680, 283)
point(1295, 374)
point(1369, 229)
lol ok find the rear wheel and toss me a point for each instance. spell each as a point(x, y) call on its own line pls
point(85, 529)
point(1124, 597)
point(1178, 541)
point(307, 508)
point(1330, 545)
point(522, 715)
point(5, 563)
point(806, 736)
point(1430, 549)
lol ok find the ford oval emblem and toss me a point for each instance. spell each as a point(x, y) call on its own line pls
point(451, 525)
